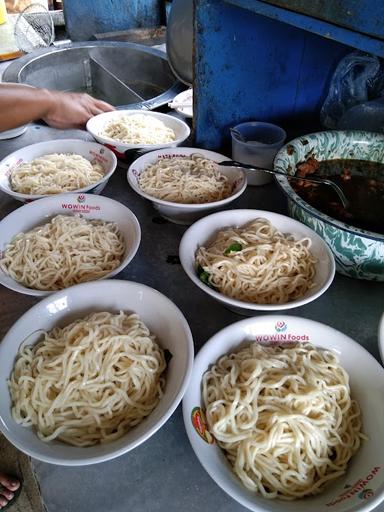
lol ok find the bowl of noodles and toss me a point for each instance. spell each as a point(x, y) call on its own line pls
point(56, 167)
point(282, 417)
point(253, 260)
point(124, 131)
point(90, 372)
point(354, 161)
point(56, 242)
point(185, 184)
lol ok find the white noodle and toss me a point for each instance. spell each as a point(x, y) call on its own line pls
point(190, 179)
point(257, 263)
point(89, 382)
point(65, 251)
point(55, 173)
point(284, 417)
point(138, 129)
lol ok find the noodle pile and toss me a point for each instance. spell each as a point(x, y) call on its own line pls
point(55, 173)
point(138, 129)
point(190, 179)
point(65, 251)
point(257, 263)
point(284, 417)
point(89, 382)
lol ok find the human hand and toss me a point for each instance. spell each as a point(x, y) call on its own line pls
point(72, 110)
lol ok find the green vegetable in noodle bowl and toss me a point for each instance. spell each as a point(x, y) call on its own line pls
point(358, 252)
point(257, 263)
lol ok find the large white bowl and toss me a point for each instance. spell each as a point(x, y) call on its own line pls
point(186, 213)
point(160, 315)
point(362, 487)
point(89, 150)
point(204, 230)
point(96, 126)
point(89, 206)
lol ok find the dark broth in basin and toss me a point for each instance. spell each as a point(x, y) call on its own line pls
point(362, 182)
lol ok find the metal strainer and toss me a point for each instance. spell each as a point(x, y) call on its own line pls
point(34, 28)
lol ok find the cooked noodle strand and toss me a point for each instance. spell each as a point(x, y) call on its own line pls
point(257, 263)
point(191, 179)
point(89, 382)
point(55, 173)
point(283, 416)
point(65, 251)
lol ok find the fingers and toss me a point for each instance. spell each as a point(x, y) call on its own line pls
point(9, 483)
point(103, 106)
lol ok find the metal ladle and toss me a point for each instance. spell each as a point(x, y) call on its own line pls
point(320, 181)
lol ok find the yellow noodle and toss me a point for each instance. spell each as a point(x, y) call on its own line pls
point(89, 382)
point(284, 417)
point(190, 179)
point(259, 264)
point(65, 251)
point(139, 129)
point(55, 173)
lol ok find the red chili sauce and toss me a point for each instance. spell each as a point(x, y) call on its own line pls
point(362, 182)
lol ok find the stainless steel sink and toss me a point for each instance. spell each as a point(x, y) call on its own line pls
point(127, 75)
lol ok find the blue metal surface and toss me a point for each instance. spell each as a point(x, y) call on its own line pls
point(251, 67)
point(85, 18)
point(365, 16)
point(369, 9)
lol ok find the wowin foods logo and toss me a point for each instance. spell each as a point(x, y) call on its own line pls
point(80, 206)
point(280, 326)
point(281, 336)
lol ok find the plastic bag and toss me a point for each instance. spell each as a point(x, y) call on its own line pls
point(356, 94)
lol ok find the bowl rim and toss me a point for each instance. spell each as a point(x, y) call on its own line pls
point(293, 196)
point(381, 338)
point(189, 206)
point(88, 188)
point(235, 303)
point(119, 144)
point(22, 211)
point(176, 399)
point(203, 356)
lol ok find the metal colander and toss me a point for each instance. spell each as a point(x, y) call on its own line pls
point(34, 28)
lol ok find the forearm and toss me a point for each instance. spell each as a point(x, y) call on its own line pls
point(21, 104)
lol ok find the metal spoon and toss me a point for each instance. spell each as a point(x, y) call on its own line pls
point(320, 181)
point(238, 135)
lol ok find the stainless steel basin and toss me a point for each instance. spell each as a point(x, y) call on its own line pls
point(127, 75)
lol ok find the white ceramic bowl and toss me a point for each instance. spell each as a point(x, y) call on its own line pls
point(362, 487)
point(96, 126)
point(163, 319)
point(89, 150)
point(204, 230)
point(186, 213)
point(14, 132)
point(90, 206)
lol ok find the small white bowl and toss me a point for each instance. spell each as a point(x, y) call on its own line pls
point(14, 132)
point(96, 126)
point(162, 318)
point(90, 206)
point(362, 487)
point(181, 213)
point(89, 150)
point(202, 231)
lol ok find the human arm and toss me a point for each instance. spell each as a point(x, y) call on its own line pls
point(21, 104)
